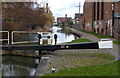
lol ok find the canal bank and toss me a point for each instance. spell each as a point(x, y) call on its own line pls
point(84, 35)
point(23, 53)
point(42, 67)
point(62, 59)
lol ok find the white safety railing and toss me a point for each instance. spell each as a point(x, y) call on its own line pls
point(43, 34)
point(7, 39)
point(12, 37)
point(106, 39)
point(105, 43)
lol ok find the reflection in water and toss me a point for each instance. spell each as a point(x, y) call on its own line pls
point(62, 37)
point(18, 66)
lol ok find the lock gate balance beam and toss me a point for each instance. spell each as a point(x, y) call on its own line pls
point(89, 45)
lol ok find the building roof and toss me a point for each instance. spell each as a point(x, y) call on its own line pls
point(63, 17)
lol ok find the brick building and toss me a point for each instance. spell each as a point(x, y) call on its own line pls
point(77, 18)
point(64, 20)
point(87, 16)
point(98, 18)
point(77, 21)
point(117, 20)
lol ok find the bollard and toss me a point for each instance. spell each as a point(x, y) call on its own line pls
point(53, 70)
point(55, 37)
point(49, 41)
point(39, 37)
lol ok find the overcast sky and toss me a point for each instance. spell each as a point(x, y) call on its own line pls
point(61, 7)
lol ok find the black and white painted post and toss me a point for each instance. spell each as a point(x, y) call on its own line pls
point(53, 70)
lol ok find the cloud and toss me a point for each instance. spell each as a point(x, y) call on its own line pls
point(61, 7)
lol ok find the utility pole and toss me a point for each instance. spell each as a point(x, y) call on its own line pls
point(77, 16)
point(79, 7)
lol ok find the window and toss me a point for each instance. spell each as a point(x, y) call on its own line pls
point(102, 10)
point(94, 11)
point(97, 10)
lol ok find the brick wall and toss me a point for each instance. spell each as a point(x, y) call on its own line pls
point(98, 17)
point(117, 20)
point(82, 21)
point(88, 16)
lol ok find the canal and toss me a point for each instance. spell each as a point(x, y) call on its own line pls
point(26, 66)
point(62, 36)
point(19, 66)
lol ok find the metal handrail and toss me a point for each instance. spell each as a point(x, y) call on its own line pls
point(7, 36)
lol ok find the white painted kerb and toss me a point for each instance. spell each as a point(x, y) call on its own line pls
point(44, 57)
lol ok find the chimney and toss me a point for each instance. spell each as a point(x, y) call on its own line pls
point(65, 15)
point(46, 7)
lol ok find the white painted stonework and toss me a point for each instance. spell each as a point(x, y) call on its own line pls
point(105, 44)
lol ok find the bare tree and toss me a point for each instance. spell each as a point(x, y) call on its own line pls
point(23, 16)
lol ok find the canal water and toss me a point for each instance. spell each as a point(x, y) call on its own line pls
point(26, 66)
point(19, 66)
point(62, 36)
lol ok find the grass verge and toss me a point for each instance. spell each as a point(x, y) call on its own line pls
point(100, 36)
point(80, 40)
point(68, 29)
point(110, 69)
point(116, 42)
point(96, 34)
